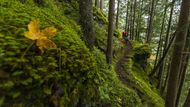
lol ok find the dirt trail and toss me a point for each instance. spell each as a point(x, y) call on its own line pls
point(120, 69)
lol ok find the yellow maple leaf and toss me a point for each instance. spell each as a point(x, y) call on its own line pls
point(34, 30)
point(41, 37)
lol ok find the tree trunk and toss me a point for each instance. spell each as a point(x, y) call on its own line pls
point(86, 21)
point(117, 15)
point(169, 25)
point(185, 62)
point(162, 66)
point(158, 48)
point(101, 4)
point(177, 54)
point(134, 19)
point(131, 20)
point(187, 101)
point(97, 3)
point(110, 32)
point(163, 56)
point(161, 32)
point(150, 25)
point(126, 19)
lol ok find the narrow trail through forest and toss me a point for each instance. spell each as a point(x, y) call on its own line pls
point(121, 70)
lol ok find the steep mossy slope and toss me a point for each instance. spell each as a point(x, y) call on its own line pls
point(138, 69)
point(67, 75)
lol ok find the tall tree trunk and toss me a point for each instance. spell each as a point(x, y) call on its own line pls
point(97, 3)
point(126, 19)
point(187, 101)
point(86, 21)
point(134, 18)
point(163, 56)
point(131, 20)
point(138, 21)
point(117, 15)
point(169, 25)
point(159, 46)
point(101, 4)
point(166, 79)
point(110, 31)
point(177, 54)
point(150, 25)
point(161, 32)
point(185, 62)
point(162, 66)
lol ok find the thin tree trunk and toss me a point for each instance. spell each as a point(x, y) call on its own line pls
point(187, 101)
point(131, 20)
point(86, 21)
point(150, 25)
point(126, 19)
point(166, 79)
point(97, 3)
point(169, 25)
point(162, 66)
point(110, 31)
point(139, 20)
point(117, 15)
point(163, 56)
point(134, 19)
point(161, 32)
point(101, 4)
point(177, 54)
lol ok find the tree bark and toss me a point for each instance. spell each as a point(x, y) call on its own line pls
point(117, 15)
point(159, 46)
point(86, 21)
point(177, 54)
point(162, 66)
point(101, 4)
point(150, 25)
point(163, 56)
point(185, 62)
point(97, 3)
point(126, 19)
point(109, 53)
point(134, 19)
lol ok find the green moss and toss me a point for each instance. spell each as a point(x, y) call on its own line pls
point(138, 76)
point(71, 65)
point(100, 17)
point(117, 33)
point(81, 74)
point(112, 91)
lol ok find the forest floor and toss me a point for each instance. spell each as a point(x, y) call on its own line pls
point(120, 69)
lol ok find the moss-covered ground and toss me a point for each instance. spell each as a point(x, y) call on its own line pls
point(70, 73)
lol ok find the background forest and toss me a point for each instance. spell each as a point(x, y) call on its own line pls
point(71, 53)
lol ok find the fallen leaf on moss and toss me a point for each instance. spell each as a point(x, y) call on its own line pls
point(42, 37)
